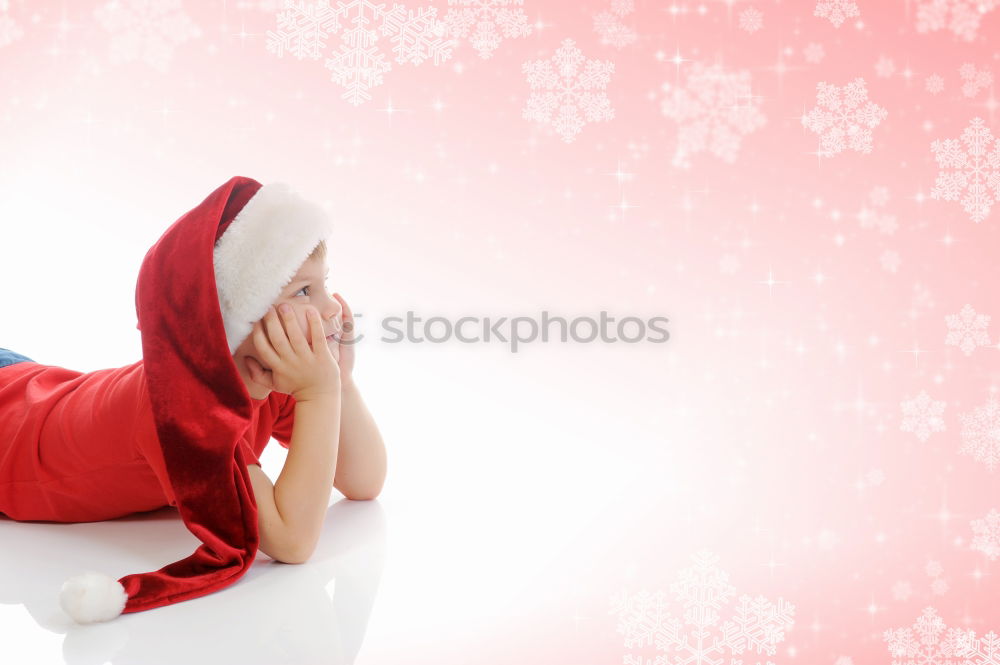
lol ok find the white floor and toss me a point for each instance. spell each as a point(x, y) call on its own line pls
point(493, 537)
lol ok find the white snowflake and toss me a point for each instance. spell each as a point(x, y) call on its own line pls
point(933, 569)
point(973, 80)
point(814, 53)
point(987, 538)
point(836, 10)
point(756, 624)
point(569, 90)
point(884, 222)
point(890, 261)
point(144, 30)
point(751, 20)
point(967, 330)
point(974, 171)
point(609, 27)
point(844, 117)
point(885, 67)
point(714, 110)
point(933, 644)
point(879, 195)
point(939, 586)
point(10, 31)
point(844, 660)
point(486, 16)
point(921, 300)
point(303, 27)
point(983, 650)
point(902, 590)
point(962, 17)
point(981, 433)
point(934, 84)
point(922, 415)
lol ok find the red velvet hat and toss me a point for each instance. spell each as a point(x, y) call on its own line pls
point(201, 287)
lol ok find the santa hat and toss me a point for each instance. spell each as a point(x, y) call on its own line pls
point(213, 273)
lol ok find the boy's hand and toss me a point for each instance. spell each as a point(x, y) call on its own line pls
point(300, 367)
point(347, 340)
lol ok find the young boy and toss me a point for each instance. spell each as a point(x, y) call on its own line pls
point(277, 357)
point(223, 370)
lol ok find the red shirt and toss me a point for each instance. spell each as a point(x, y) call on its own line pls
point(82, 447)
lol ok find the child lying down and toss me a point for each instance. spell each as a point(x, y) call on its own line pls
point(240, 342)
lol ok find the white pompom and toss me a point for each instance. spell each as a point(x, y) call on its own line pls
point(92, 597)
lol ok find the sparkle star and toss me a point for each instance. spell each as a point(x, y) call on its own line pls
point(243, 34)
point(872, 608)
point(621, 175)
point(770, 281)
point(916, 351)
point(390, 110)
point(780, 68)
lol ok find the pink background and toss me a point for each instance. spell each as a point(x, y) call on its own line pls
point(769, 430)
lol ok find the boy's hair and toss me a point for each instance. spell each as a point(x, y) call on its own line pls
point(319, 251)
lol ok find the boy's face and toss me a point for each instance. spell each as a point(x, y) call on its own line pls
point(308, 287)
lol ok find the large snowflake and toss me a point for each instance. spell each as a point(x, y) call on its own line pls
point(973, 171)
point(931, 642)
point(981, 433)
point(568, 90)
point(962, 17)
point(714, 110)
point(967, 330)
point(145, 30)
point(987, 538)
point(359, 65)
point(844, 117)
point(756, 624)
point(922, 415)
point(836, 10)
point(486, 16)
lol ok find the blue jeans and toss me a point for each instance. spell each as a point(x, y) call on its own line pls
point(8, 357)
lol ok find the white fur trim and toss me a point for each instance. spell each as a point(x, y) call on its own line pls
point(261, 251)
point(92, 597)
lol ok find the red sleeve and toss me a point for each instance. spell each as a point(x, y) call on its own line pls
point(284, 421)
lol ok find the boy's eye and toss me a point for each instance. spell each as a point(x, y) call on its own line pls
point(302, 289)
